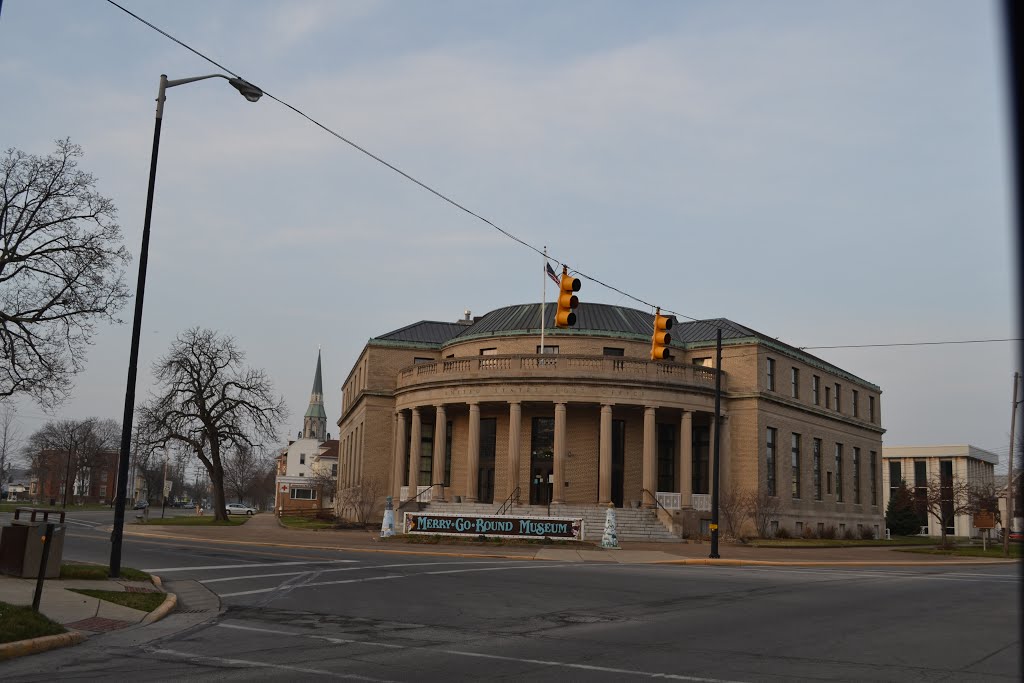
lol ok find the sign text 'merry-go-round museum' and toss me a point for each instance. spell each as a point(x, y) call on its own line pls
point(482, 525)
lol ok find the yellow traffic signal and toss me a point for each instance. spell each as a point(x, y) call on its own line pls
point(567, 301)
point(661, 338)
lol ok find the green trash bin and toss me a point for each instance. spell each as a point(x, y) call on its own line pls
point(22, 542)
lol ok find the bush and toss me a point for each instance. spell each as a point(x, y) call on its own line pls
point(848, 535)
point(867, 533)
point(829, 532)
point(782, 533)
point(809, 532)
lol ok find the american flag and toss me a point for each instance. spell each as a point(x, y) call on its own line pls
point(551, 274)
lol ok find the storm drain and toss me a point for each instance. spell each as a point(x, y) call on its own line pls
point(191, 611)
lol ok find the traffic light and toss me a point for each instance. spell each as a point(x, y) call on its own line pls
point(567, 301)
point(661, 338)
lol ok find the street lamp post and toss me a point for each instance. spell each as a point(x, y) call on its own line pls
point(251, 93)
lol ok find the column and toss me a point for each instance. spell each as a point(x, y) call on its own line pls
point(649, 472)
point(686, 459)
point(558, 486)
point(604, 473)
point(440, 453)
point(515, 424)
point(473, 453)
point(415, 447)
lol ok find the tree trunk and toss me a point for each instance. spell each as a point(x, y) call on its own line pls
point(217, 484)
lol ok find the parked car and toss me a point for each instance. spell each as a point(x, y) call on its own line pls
point(239, 509)
point(141, 504)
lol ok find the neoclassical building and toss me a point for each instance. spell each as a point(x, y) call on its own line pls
point(472, 412)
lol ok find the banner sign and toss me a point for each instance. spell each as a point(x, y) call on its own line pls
point(506, 526)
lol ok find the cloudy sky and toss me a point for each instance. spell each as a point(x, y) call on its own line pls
point(825, 173)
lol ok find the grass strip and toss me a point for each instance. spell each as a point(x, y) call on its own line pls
point(994, 552)
point(21, 623)
point(896, 541)
point(295, 522)
point(147, 602)
point(98, 572)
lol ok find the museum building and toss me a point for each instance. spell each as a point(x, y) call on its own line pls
point(475, 412)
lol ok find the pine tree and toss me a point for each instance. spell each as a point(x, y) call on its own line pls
point(900, 516)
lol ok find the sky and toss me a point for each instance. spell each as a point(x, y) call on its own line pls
point(825, 173)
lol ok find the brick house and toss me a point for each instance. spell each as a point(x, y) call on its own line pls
point(593, 420)
point(54, 470)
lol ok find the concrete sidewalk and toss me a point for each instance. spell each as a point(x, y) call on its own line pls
point(74, 610)
point(265, 530)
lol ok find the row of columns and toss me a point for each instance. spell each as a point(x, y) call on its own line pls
point(649, 466)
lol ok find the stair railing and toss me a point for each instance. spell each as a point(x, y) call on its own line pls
point(507, 505)
point(416, 498)
point(659, 505)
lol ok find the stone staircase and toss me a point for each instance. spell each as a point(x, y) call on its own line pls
point(631, 524)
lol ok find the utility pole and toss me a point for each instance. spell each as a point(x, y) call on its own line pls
point(1008, 522)
point(716, 469)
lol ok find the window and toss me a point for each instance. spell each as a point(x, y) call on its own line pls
point(489, 352)
point(302, 458)
point(794, 381)
point(795, 462)
point(816, 455)
point(839, 473)
point(799, 528)
point(871, 408)
point(418, 360)
point(771, 374)
point(816, 389)
point(303, 494)
point(490, 362)
point(667, 479)
point(548, 350)
point(821, 529)
point(613, 351)
point(704, 361)
point(838, 392)
point(895, 477)
point(873, 472)
point(448, 455)
point(856, 475)
point(856, 408)
point(774, 527)
point(769, 459)
point(921, 490)
point(334, 469)
point(426, 473)
point(828, 397)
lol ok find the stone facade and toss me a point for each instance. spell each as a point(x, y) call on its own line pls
point(604, 422)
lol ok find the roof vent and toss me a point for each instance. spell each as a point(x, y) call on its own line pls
point(468, 313)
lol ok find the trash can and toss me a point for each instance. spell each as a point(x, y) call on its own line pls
point(22, 541)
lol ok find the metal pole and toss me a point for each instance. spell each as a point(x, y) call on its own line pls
point(1008, 522)
point(133, 361)
point(717, 452)
point(42, 567)
point(543, 296)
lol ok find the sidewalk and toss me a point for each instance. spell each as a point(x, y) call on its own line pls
point(265, 530)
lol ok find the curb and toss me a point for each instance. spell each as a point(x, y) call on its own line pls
point(165, 608)
point(833, 563)
point(20, 648)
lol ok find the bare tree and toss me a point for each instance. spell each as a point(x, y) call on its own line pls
point(945, 498)
point(10, 441)
point(61, 270)
point(72, 448)
point(325, 483)
point(207, 400)
point(363, 498)
point(731, 510)
point(244, 468)
point(761, 509)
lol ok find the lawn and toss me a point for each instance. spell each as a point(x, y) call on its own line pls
point(994, 551)
point(9, 507)
point(192, 520)
point(841, 543)
point(21, 623)
point(98, 572)
point(296, 522)
point(147, 602)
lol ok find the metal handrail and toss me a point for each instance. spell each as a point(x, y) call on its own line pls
point(416, 498)
point(658, 502)
point(507, 505)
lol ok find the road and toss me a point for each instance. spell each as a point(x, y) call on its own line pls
point(293, 613)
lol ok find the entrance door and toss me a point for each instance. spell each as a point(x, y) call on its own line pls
point(542, 464)
point(618, 461)
point(540, 482)
point(485, 473)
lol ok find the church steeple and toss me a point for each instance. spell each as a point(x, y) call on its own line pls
point(314, 426)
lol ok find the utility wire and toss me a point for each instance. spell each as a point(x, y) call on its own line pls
point(926, 343)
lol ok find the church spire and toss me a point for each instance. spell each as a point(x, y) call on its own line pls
point(314, 426)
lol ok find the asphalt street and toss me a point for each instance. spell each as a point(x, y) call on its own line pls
point(290, 613)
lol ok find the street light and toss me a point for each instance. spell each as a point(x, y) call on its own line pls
point(251, 93)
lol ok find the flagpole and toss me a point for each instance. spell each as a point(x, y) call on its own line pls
point(543, 296)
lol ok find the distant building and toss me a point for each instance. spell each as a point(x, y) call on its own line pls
point(55, 471)
point(917, 465)
point(307, 468)
point(471, 413)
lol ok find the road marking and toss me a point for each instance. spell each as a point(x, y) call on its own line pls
point(244, 566)
point(402, 576)
point(206, 659)
point(342, 569)
point(337, 641)
point(480, 655)
point(591, 667)
point(985, 578)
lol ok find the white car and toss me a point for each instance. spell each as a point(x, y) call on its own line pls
point(239, 509)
